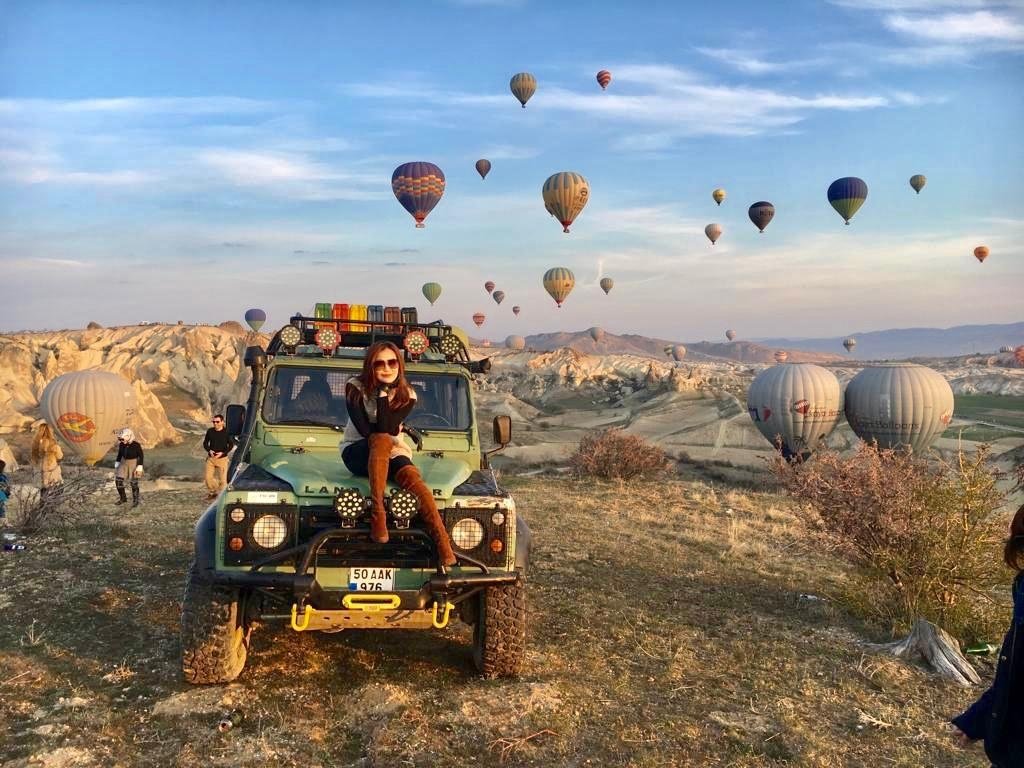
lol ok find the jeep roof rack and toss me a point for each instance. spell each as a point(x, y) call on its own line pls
point(360, 334)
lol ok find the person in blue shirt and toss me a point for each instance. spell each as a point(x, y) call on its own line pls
point(5, 489)
point(998, 715)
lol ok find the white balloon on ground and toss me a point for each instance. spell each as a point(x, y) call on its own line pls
point(799, 403)
point(86, 408)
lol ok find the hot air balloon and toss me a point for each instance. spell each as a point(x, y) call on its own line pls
point(606, 284)
point(678, 352)
point(432, 292)
point(761, 214)
point(899, 404)
point(981, 253)
point(523, 86)
point(1005, 348)
point(255, 318)
point(483, 167)
point(559, 282)
point(849, 343)
point(668, 350)
point(565, 194)
point(479, 318)
point(418, 187)
point(730, 334)
point(86, 408)
point(781, 356)
point(516, 310)
point(596, 333)
point(1018, 354)
point(498, 296)
point(515, 342)
point(718, 195)
point(489, 286)
point(917, 181)
point(847, 195)
point(713, 231)
point(603, 78)
point(798, 404)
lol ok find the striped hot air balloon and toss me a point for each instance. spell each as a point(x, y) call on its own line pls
point(981, 253)
point(565, 194)
point(796, 404)
point(479, 318)
point(489, 286)
point(718, 195)
point(523, 86)
point(516, 310)
point(418, 187)
point(559, 282)
point(761, 213)
point(603, 78)
point(847, 195)
point(713, 232)
point(917, 181)
point(781, 356)
point(432, 292)
point(849, 343)
point(498, 296)
point(483, 167)
point(606, 284)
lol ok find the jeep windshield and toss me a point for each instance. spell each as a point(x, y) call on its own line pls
point(315, 396)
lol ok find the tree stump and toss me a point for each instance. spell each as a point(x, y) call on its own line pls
point(938, 649)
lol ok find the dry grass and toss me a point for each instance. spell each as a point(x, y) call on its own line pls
point(673, 624)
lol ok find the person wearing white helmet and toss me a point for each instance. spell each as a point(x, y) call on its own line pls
point(127, 466)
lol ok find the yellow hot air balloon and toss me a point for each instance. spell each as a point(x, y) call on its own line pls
point(718, 195)
point(559, 282)
point(86, 408)
point(565, 195)
point(523, 86)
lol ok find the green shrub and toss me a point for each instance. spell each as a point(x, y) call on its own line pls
point(614, 455)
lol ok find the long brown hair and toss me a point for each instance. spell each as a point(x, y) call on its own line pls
point(1013, 552)
point(368, 379)
point(42, 443)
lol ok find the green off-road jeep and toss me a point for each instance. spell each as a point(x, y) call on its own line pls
point(288, 539)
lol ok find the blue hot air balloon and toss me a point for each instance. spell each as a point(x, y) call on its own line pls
point(255, 318)
point(847, 195)
point(418, 187)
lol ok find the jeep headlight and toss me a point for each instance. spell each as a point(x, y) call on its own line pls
point(349, 504)
point(269, 532)
point(467, 533)
point(403, 506)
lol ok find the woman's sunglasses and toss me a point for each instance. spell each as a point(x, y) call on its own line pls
point(391, 362)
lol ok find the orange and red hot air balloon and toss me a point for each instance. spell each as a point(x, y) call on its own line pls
point(603, 78)
point(479, 318)
point(981, 253)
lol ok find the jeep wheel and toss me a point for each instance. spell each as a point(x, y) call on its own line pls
point(499, 638)
point(214, 642)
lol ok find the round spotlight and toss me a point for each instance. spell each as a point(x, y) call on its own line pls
point(416, 342)
point(496, 546)
point(450, 345)
point(235, 544)
point(349, 503)
point(237, 515)
point(327, 339)
point(498, 518)
point(403, 504)
point(290, 336)
point(269, 532)
point(467, 533)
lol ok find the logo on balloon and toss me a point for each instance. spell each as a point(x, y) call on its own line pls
point(76, 427)
point(802, 407)
point(946, 418)
point(763, 414)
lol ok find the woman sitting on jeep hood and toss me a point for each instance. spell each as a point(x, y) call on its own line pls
point(379, 399)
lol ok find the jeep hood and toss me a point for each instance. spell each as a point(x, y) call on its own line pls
point(314, 474)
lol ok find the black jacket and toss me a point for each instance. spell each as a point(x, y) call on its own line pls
point(130, 450)
point(218, 440)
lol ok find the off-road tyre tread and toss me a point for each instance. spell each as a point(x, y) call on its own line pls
point(499, 639)
point(210, 649)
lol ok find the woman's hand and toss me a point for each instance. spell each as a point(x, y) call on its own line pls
point(960, 738)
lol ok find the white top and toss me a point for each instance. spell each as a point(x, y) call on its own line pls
point(351, 435)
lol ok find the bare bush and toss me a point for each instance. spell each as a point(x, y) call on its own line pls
point(925, 535)
point(613, 455)
point(56, 508)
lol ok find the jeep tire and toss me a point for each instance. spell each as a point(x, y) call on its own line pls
point(499, 637)
point(214, 641)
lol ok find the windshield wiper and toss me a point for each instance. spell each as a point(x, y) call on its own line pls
point(311, 423)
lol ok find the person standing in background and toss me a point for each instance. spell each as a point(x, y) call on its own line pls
point(217, 444)
point(5, 489)
point(127, 466)
point(47, 455)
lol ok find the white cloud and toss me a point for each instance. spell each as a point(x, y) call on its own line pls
point(744, 61)
point(509, 152)
point(959, 27)
point(139, 106)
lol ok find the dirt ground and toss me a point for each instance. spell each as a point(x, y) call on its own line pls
point(672, 624)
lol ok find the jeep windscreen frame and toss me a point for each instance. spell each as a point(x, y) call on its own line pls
point(315, 396)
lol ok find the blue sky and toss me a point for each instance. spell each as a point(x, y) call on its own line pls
point(165, 161)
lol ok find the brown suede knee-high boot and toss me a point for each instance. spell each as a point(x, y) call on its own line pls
point(380, 455)
point(409, 479)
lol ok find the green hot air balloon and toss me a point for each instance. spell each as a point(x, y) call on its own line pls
point(798, 404)
point(523, 86)
point(847, 195)
point(559, 282)
point(86, 408)
point(917, 181)
point(899, 404)
point(432, 292)
point(606, 284)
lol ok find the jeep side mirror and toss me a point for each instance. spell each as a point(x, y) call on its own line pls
point(234, 419)
point(503, 430)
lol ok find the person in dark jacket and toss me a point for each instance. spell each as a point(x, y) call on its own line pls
point(127, 466)
point(378, 401)
point(998, 715)
point(217, 444)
